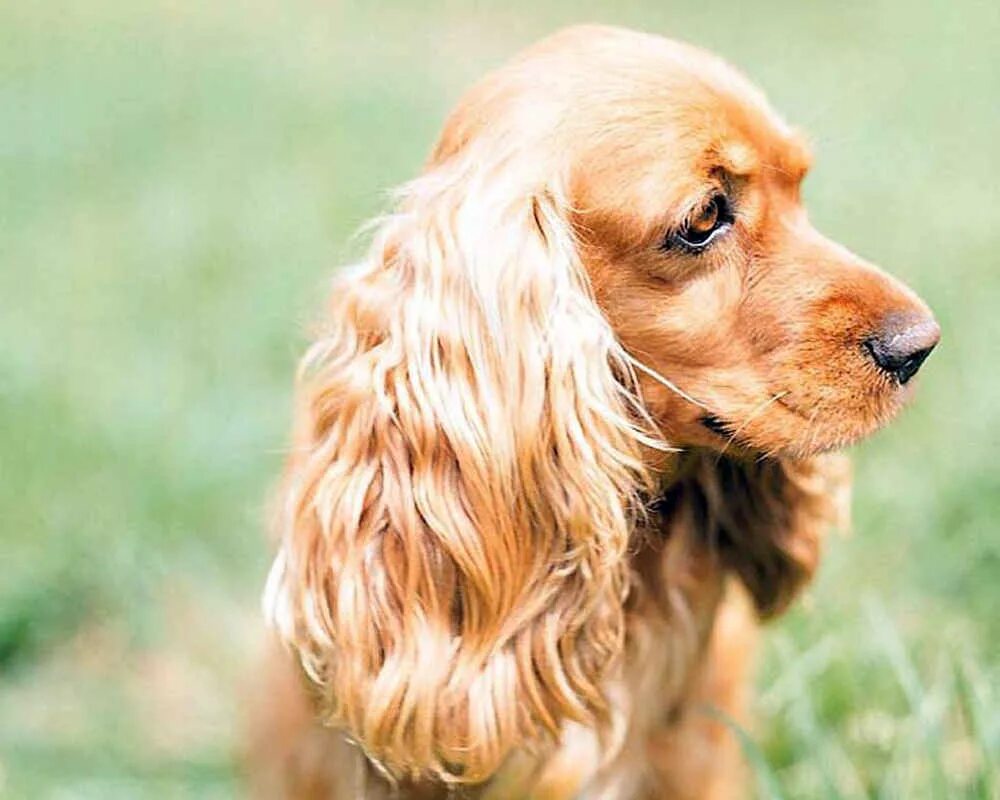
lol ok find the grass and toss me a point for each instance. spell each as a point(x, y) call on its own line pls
point(179, 178)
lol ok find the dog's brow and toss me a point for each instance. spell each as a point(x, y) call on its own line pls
point(739, 158)
point(795, 157)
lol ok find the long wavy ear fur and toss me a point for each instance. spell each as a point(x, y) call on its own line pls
point(457, 507)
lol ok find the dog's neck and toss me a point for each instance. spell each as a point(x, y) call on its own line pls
point(762, 517)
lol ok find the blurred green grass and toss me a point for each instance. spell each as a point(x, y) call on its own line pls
point(177, 181)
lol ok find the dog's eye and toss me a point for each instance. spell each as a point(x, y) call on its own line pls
point(704, 226)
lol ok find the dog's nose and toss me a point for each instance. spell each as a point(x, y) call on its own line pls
point(903, 343)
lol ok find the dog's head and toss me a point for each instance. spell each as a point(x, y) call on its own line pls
point(606, 259)
point(682, 188)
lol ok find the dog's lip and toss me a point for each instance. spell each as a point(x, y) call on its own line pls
point(716, 425)
point(725, 430)
point(720, 426)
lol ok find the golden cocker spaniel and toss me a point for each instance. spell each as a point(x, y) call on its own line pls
point(565, 437)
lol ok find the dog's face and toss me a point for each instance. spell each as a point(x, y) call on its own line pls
point(686, 195)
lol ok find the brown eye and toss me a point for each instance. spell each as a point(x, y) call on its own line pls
point(704, 222)
point(704, 226)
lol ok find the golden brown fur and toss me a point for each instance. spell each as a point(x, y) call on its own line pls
point(472, 572)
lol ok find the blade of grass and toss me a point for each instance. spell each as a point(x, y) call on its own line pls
point(926, 708)
point(769, 788)
point(802, 713)
point(973, 698)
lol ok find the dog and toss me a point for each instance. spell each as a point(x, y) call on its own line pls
point(566, 436)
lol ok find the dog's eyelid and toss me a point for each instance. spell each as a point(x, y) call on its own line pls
point(697, 203)
point(694, 240)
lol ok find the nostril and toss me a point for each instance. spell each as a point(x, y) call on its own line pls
point(900, 349)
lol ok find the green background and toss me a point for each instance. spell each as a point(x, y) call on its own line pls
point(177, 182)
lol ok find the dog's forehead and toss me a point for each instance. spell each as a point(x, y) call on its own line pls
point(613, 99)
point(752, 140)
point(657, 94)
point(652, 126)
point(704, 102)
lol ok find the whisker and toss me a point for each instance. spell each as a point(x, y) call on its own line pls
point(656, 376)
point(808, 437)
point(750, 418)
point(632, 395)
point(811, 429)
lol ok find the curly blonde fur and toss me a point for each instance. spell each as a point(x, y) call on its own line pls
point(482, 481)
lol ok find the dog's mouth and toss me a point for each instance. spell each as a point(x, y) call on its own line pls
point(737, 436)
point(797, 433)
point(716, 425)
point(725, 430)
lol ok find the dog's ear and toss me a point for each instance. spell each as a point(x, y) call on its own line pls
point(456, 510)
point(769, 517)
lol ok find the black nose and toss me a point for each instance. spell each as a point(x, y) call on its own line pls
point(902, 344)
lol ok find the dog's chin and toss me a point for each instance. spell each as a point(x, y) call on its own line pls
point(743, 449)
point(788, 437)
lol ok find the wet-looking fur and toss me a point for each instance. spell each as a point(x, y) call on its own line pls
point(546, 448)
